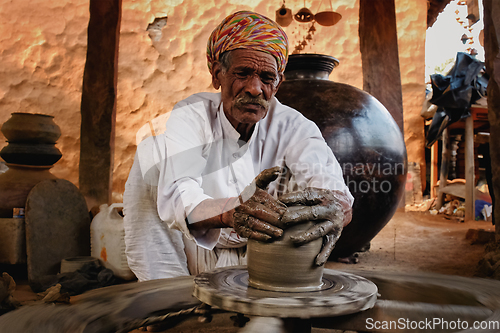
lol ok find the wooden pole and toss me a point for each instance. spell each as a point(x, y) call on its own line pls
point(434, 169)
point(379, 55)
point(470, 181)
point(378, 43)
point(445, 166)
point(492, 57)
point(98, 107)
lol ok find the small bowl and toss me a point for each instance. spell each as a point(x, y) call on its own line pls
point(327, 18)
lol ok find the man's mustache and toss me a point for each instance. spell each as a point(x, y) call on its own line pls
point(245, 99)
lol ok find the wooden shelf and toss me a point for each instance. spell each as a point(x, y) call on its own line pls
point(478, 121)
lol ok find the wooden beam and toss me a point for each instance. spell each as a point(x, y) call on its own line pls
point(98, 107)
point(445, 167)
point(470, 178)
point(379, 55)
point(434, 170)
point(492, 59)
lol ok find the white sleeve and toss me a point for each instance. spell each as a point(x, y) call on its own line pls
point(313, 165)
point(187, 138)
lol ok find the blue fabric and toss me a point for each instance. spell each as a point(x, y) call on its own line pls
point(479, 206)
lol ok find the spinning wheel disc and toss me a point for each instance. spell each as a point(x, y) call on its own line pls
point(341, 294)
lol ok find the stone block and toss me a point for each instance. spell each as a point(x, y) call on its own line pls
point(57, 227)
point(479, 236)
point(12, 241)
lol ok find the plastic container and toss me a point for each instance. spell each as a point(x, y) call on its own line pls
point(75, 263)
point(107, 240)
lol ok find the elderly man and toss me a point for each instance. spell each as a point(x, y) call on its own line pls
point(204, 186)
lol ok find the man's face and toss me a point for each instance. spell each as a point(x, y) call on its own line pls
point(247, 86)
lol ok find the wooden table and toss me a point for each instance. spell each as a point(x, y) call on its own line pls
point(478, 121)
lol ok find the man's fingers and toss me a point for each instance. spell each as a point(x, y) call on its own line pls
point(260, 182)
point(267, 200)
point(260, 212)
point(328, 244)
point(263, 227)
point(250, 227)
point(267, 176)
point(296, 214)
point(316, 231)
point(307, 197)
point(246, 232)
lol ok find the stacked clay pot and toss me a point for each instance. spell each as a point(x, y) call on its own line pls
point(32, 138)
point(29, 154)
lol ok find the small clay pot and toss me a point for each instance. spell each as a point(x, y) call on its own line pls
point(304, 15)
point(31, 154)
point(284, 16)
point(282, 266)
point(31, 128)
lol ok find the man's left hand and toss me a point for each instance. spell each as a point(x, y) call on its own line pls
point(258, 215)
point(321, 206)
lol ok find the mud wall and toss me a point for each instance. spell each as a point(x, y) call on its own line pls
point(43, 48)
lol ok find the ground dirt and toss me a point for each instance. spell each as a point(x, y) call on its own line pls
point(421, 242)
point(410, 242)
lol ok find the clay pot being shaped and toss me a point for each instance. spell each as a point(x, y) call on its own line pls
point(31, 128)
point(280, 265)
point(364, 138)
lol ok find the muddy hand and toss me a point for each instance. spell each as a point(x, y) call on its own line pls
point(259, 214)
point(320, 206)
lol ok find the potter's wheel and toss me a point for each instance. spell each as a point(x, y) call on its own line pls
point(341, 293)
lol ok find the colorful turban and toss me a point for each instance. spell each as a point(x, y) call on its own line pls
point(248, 30)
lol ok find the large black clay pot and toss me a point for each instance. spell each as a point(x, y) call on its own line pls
point(363, 136)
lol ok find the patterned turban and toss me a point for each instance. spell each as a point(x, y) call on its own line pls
point(248, 30)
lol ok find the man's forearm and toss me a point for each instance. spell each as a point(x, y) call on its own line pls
point(212, 213)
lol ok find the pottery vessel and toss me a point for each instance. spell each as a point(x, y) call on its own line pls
point(43, 154)
point(363, 136)
point(16, 183)
point(327, 18)
point(280, 265)
point(31, 128)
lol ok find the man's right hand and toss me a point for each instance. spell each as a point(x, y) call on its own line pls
point(259, 213)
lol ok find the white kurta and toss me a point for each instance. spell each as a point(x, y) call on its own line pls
point(199, 157)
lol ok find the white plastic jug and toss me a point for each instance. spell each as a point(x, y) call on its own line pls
point(107, 240)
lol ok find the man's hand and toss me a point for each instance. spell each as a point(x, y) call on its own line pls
point(259, 213)
point(318, 205)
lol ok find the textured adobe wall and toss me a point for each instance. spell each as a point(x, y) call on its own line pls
point(412, 17)
point(43, 46)
point(43, 54)
point(155, 73)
